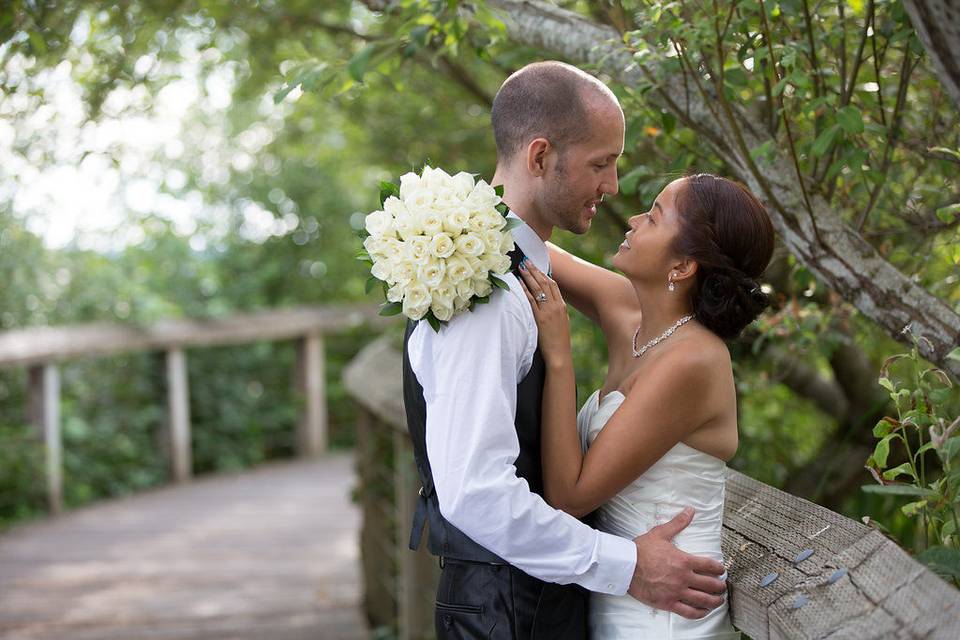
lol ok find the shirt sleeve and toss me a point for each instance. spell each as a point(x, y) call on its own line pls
point(470, 376)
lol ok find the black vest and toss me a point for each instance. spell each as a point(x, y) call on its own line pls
point(445, 539)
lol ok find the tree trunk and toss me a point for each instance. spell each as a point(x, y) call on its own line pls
point(938, 26)
point(830, 248)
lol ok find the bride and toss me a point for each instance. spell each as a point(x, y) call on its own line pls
point(656, 437)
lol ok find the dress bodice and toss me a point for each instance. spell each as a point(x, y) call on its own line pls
point(684, 476)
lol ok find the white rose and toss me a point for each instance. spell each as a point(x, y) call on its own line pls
point(477, 265)
point(418, 249)
point(419, 200)
point(431, 273)
point(382, 270)
point(459, 269)
point(465, 290)
point(471, 244)
point(463, 184)
point(491, 239)
point(431, 221)
point(482, 196)
point(506, 241)
point(395, 207)
point(436, 178)
point(482, 287)
point(408, 225)
point(396, 292)
point(409, 182)
point(395, 250)
point(403, 273)
point(442, 245)
point(442, 311)
point(379, 223)
point(459, 304)
point(375, 246)
point(496, 263)
point(416, 301)
point(456, 220)
point(445, 293)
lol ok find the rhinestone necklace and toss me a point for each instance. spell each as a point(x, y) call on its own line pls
point(663, 336)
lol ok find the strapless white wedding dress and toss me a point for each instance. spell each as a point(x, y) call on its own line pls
point(683, 476)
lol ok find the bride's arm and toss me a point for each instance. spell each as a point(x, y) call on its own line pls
point(585, 284)
point(655, 416)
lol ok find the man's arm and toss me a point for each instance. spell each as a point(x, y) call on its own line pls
point(472, 445)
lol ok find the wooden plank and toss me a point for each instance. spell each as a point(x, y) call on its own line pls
point(38, 345)
point(312, 437)
point(43, 412)
point(374, 379)
point(268, 553)
point(178, 403)
point(52, 438)
point(764, 531)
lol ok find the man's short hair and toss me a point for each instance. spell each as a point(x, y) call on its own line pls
point(544, 99)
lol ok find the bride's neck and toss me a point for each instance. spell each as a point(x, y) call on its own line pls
point(659, 311)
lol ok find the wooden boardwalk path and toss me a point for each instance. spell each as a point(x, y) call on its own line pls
point(271, 553)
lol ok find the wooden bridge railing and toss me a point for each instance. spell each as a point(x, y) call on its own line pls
point(795, 569)
point(42, 350)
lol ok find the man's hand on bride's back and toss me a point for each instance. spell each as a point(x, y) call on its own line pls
point(669, 579)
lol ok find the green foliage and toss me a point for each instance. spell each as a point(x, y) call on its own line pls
point(928, 438)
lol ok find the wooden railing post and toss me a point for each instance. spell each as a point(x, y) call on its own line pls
point(178, 403)
point(312, 429)
point(44, 414)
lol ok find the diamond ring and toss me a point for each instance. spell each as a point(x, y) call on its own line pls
point(541, 297)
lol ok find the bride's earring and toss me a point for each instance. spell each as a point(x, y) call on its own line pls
point(671, 286)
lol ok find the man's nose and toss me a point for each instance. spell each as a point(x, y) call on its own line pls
point(612, 184)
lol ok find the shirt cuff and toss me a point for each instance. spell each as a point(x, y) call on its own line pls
point(616, 562)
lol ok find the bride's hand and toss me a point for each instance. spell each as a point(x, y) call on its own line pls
point(550, 312)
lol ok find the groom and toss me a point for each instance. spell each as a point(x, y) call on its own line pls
point(514, 567)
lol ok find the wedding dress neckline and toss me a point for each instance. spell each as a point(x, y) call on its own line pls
point(600, 402)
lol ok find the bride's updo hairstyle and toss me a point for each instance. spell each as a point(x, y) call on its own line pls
point(728, 232)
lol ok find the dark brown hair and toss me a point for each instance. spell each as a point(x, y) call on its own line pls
point(544, 99)
point(728, 232)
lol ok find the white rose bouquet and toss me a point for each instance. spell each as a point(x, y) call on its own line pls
point(438, 244)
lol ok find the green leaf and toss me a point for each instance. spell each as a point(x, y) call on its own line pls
point(884, 427)
point(825, 140)
point(357, 66)
point(498, 190)
point(850, 119)
point(497, 282)
point(669, 121)
point(954, 355)
point(391, 308)
point(898, 490)
point(881, 451)
point(512, 223)
point(948, 213)
point(886, 384)
point(388, 189)
point(942, 560)
point(628, 183)
point(432, 319)
point(906, 468)
point(953, 152)
point(735, 76)
point(371, 283)
point(912, 508)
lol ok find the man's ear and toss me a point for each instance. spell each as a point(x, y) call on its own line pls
point(537, 151)
point(684, 269)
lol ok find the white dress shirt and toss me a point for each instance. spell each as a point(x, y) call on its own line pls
point(469, 372)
